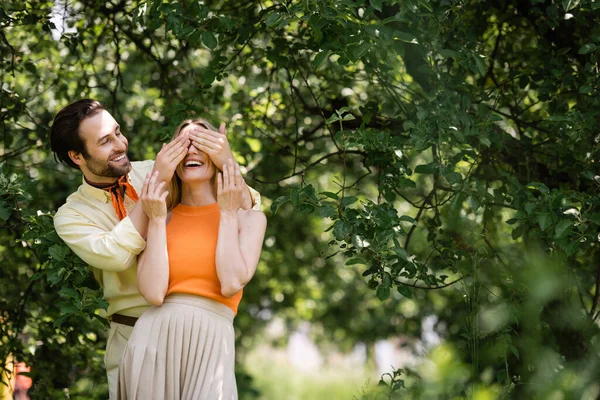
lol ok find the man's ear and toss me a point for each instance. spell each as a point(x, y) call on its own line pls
point(76, 157)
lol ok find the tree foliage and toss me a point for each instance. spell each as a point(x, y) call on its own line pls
point(417, 158)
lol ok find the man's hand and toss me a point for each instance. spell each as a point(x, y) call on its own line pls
point(215, 144)
point(169, 157)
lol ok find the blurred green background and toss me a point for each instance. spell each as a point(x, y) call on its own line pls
point(427, 169)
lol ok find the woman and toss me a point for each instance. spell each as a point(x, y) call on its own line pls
point(198, 257)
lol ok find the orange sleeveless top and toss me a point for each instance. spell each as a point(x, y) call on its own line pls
point(192, 235)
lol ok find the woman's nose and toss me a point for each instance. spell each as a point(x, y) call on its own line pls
point(192, 149)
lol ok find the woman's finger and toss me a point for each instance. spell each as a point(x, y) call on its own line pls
point(225, 177)
point(159, 189)
point(232, 176)
point(238, 177)
point(163, 196)
point(146, 183)
point(219, 183)
point(152, 183)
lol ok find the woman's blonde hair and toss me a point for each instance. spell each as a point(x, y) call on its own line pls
point(174, 187)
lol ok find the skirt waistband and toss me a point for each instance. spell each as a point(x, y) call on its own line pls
point(201, 302)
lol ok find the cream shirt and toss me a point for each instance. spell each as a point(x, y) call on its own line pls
point(89, 225)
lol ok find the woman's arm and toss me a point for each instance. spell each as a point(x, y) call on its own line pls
point(153, 263)
point(240, 242)
point(241, 234)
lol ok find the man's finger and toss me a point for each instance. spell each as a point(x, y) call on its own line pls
point(203, 148)
point(204, 131)
point(178, 154)
point(205, 143)
point(175, 145)
point(222, 130)
point(208, 135)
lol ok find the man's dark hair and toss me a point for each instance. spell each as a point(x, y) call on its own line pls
point(64, 134)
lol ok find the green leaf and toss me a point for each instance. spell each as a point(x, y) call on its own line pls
point(276, 205)
point(354, 261)
point(405, 37)
point(360, 50)
point(340, 230)
point(272, 19)
point(69, 292)
point(327, 211)
point(408, 219)
point(376, 4)
point(4, 211)
point(449, 53)
point(295, 196)
point(561, 227)
point(587, 48)
point(481, 66)
point(517, 232)
point(383, 292)
point(453, 177)
point(346, 201)
point(543, 221)
point(405, 291)
point(208, 77)
point(426, 169)
point(570, 4)
point(332, 119)
point(387, 280)
point(209, 39)
point(58, 252)
point(585, 89)
point(319, 59)
point(514, 350)
point(538, 186)
point(401, 252)
point(331, 195)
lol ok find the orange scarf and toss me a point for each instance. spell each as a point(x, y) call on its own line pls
point(117, 192)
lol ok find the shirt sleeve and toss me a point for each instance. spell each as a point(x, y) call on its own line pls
point(255, 199)
point(114, 250)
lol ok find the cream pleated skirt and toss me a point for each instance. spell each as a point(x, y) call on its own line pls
point(183, 349)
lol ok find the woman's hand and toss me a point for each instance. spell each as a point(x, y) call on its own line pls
point(169, 157)
point(230, 188)
point(154, 196)
point(215, 144)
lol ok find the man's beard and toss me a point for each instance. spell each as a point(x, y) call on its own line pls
point(104, 169)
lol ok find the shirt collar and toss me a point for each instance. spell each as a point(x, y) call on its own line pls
point(98, 194)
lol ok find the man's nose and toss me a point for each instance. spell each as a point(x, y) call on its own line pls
point(123, 143)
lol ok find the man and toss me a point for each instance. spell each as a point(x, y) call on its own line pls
point(101, 222)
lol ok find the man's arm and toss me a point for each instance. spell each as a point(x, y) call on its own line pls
point(114, 250)
point(251, 199)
